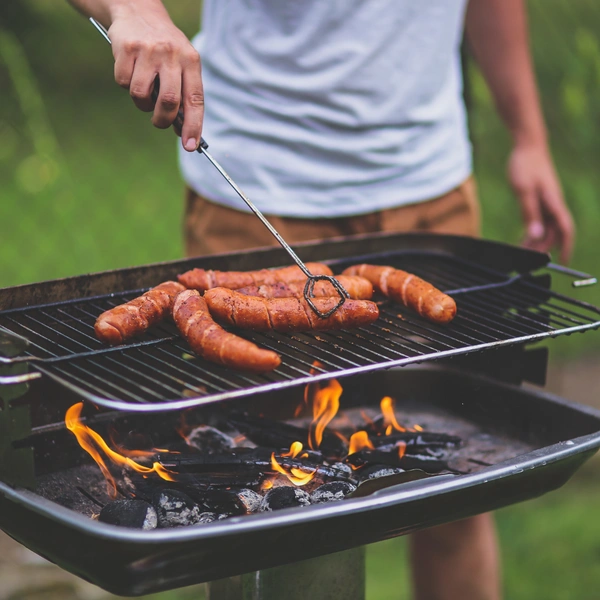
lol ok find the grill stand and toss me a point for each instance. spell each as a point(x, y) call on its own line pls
point(339, 576)
point(16, 464)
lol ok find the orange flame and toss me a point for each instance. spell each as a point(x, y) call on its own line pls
point(325, 407)
point(92, 442)
point(401, 449)
point(389, 417)
point(309, 391)
point(359, 441)
point(295, 475)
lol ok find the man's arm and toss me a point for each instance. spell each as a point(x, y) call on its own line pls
point(497, 33)
point(146, 45)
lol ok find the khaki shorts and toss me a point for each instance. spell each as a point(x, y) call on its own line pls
point(210, 228)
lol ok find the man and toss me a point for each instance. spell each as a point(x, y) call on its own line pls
point(344, 117)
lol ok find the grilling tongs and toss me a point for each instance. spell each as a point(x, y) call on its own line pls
point(202, 149)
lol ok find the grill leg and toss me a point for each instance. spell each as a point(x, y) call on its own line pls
point(339, 576)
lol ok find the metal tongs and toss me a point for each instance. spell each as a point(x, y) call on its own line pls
point(202, 149)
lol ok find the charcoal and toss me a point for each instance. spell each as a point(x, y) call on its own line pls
point(176, 509)
point(331, 492)
point(417, 443)
point(247, 462)
point(343, 467)
point(209, 440)
point(275, 434)
point(284, 497)
point(229, 501)
point(392, 459)
point(250, 499)
point(377, 471)
point(132, 513)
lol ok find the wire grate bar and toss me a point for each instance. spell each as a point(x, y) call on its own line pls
point(158, 368)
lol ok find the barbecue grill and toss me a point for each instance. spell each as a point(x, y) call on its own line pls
point(469, 371)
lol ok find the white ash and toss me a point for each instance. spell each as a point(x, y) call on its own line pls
point(176, 509)
point(384, 472)
point(209, 439)
point(332, 492)
point(250, 499)
point(344, 467)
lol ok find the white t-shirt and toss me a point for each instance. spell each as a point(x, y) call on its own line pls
point(329, 108)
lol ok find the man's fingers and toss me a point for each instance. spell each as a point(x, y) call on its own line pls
point(193, 105)
point(562, 222)
point(169, 98)
point(124, 64)
point(532, 214)
point(141, 85)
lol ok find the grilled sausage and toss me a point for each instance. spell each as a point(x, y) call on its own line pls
point(357, 287)
point(201, 280)
point(286, 314)
point(133, 318)
point(213, 343)
point(409, 290)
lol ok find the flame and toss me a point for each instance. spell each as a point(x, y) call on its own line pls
point(389, 418)
point(401, 449)
point(295, 475)
point(325, 406)
point(92, 442)
point(359, 441)
point(417, 428)
point(309, 391)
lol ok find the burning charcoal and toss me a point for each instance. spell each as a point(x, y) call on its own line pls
point(209, 440)
point(246, 461)
point(251, 500)
point(275, 434)
point(284, 497)
point(229, 502)
point(416, 442)
point(129, 513)
point(175, 509)
point(392, 459)
point(331, 492)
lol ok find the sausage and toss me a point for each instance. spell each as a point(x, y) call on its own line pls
point(409, 290)
point(357, 287)
point(213, 343)
point(133, 318)
point(201, 280)
point(286, 314)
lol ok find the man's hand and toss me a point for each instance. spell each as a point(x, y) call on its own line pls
point(146, 45)
point(149, 48)
point(548, 222)
point(497, 32)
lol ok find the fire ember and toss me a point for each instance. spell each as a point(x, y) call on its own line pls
point(242, 463)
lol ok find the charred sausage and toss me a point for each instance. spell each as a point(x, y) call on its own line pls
point(286, 314)
point(133, 318)
point(409, 290)
point(358, 288)
point(202, 280)
point(209, 340)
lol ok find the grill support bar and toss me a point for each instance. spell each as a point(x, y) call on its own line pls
point(339, 576)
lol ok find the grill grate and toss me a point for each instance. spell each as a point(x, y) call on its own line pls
point(157, 372)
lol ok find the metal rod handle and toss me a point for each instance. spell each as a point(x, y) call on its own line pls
point(585, 278)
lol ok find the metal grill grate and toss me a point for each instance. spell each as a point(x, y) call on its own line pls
point(157, 372)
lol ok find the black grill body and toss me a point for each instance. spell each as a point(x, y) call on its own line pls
point(504, 304)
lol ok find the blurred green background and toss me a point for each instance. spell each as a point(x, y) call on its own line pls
point(87, 184)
